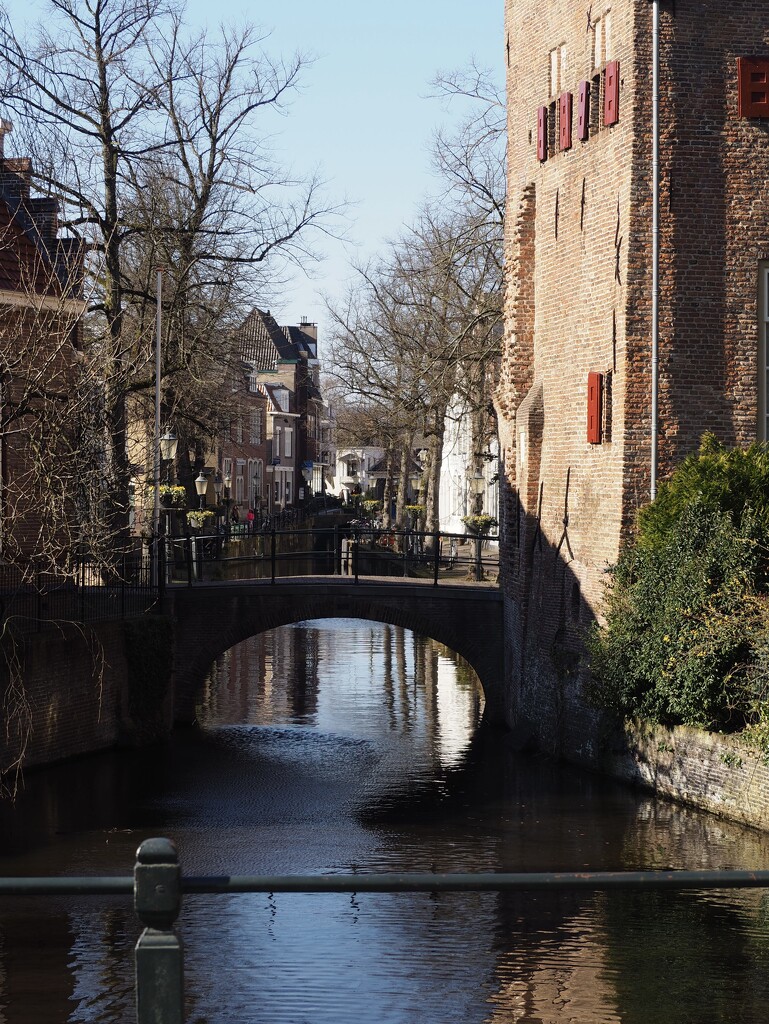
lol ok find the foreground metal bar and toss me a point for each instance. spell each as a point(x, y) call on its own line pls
point(159, 958)
point(481, 882)
point(399, 882)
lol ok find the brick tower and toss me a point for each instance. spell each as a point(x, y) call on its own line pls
point(574, 399)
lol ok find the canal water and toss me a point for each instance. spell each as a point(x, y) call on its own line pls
point(339, 746)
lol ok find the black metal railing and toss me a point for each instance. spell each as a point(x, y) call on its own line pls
point(157, 886)
point(353, 550)
point(85, 590)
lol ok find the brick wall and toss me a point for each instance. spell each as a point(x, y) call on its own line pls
point(578, 253)
point(79, 694)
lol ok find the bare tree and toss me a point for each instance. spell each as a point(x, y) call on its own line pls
point(149, 141)
point(420, 334)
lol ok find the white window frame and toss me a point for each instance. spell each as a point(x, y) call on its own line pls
point(288, 442)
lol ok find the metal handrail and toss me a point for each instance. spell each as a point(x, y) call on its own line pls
point(157, 886)
point(390, 882)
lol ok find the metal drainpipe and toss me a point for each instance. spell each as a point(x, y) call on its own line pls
point(655, 239)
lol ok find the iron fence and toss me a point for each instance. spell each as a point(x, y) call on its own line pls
point(356, 549)
point(157, 886)
point(87, 590)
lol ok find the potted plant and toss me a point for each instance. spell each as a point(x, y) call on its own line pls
point(479, 523)
point(415, 513)
point(199, 518)
point(172, 496)
point(371, 508)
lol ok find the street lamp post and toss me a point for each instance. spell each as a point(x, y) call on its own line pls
point(478, 490)
point(156, 434)
point(270, 492)
point(307, 474)
point(477, 484)
point(168, 445)
point(218, 484)
point(201, 486)
point(227, 480)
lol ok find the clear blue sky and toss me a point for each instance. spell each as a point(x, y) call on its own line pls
point(363, 115)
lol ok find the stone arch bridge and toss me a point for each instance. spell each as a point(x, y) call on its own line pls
point(210, 618)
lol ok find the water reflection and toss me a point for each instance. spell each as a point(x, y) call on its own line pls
point(343, 745)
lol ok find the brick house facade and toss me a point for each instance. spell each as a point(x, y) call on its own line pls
point(574, 400)
point(40, 324)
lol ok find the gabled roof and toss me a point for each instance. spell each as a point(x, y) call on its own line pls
point(263, 342)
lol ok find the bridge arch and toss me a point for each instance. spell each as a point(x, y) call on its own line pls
point(210, 619)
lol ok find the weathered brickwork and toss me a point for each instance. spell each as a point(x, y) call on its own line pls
point(71, 692)
point(578, 256)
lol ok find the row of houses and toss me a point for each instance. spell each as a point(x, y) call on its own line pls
point(275, 450)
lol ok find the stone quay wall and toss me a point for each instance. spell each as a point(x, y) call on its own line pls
point(74, 689)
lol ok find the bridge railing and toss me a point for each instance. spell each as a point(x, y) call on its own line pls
point(157, 887)
point(85, 589)
point(356, 550)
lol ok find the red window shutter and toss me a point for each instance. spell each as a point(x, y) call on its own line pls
point(594, 407)
point(753, 86)
point(542, 133)
point(583, 112)
point(564, 120)
point(611, 93)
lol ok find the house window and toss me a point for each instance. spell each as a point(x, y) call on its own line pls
point(276, 448)
point(763, 349)
point(289, 491)
point(256, 426)
point(602, 41)
point(288, 442)
point(557, 71)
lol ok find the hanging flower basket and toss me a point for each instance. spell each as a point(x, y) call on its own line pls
point(479, 523)
point(172, 497)
point(199, 518)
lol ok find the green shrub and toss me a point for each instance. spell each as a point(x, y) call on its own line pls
point(726, 479)
point(685, 621)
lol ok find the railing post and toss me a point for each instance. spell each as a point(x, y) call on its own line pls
point(158, 954)
point(436, 557)
point(355, 552)
point(162, 555)
point(478, 562)
point(272, 554)
point(188, 557)
point(82, 589)
point(337, 568)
